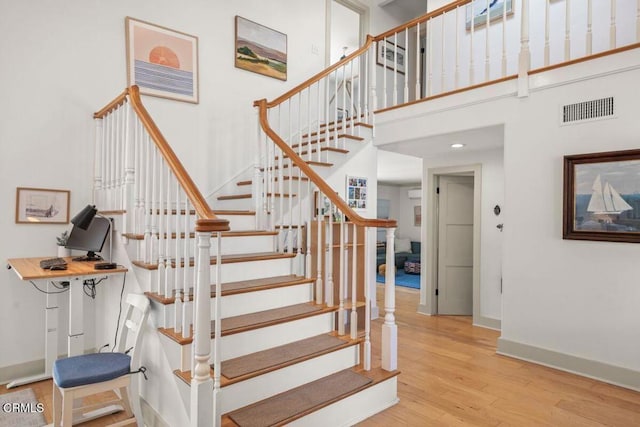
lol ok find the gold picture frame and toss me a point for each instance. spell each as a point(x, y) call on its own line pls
point(42, 206)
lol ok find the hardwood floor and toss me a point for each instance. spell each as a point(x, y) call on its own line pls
point(451, 376)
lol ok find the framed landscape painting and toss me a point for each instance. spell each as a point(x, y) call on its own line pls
point(42, 206)
point(602, 196)
point(260, 49)
point(478, 11)
point(162, 62)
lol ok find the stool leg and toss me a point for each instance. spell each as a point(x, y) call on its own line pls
point(67, 409)
point(57, 406)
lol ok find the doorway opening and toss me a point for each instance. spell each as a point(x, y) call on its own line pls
point(453, 242)
point(347, 27)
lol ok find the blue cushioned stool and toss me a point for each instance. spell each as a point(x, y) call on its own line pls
point(79, 376)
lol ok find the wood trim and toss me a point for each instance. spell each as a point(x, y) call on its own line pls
point(208, 220)
point(118, 101)
point(585, 58)
point(452, 92)
point(315, 178)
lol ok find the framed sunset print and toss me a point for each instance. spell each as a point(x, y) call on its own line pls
point(162, 62)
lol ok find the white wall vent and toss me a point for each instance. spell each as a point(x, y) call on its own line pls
point(588, 110)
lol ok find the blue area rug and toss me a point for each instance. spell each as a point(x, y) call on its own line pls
point(403, 279)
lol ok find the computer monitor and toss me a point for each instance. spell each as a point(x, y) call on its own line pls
point(91, 240)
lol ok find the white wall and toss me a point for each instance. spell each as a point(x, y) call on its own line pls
point(574, 298)
point(401, 209)
point(67, 61)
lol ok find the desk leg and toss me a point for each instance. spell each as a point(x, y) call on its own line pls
point(50, 337)
point(76, 330)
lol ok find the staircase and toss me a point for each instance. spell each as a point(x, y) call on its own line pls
point(255, 325)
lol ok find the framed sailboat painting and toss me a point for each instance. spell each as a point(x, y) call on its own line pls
point(602, 196)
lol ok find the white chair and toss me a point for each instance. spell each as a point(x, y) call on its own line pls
point(79, 376)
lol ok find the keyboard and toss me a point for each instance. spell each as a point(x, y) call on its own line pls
point(50, 262)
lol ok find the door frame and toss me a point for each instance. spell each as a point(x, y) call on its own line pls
point(428, 301)
point(355, 5)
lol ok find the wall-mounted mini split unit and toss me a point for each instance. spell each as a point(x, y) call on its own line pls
point(587, 111)
point(415, 193)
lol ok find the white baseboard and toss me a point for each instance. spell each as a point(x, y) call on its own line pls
point(150, 416)
point(488, 322)
point(612, 374)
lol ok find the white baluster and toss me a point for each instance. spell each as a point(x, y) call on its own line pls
point(177, 280)
point(97, 163)
point(148, 208)
point(160, 230)
point(524, 58)
point(395, 69)
point(202, 386)
point(354, 283)
point(367, 306)
point(567, 31)
point(473, 30)
point(547, 28)
point(374, 73)
point(187, 284)
point(329, 260)
point(342, 277)
point(389, 328)
point(320, 251)
point(406, 62)
point(217, 350)
point(487, 48)
point(589, 48)
point(417, 95)
point(504, 39)
point(443, 58)
point(456, 29)
point(168, 265)
point(384, 72)
point(612, 27)
point(638, 22)
point(129, 170)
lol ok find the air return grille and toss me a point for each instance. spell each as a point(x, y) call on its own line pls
point(588, 110)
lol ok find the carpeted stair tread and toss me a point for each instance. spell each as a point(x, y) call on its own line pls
point(260, 319)
point(283, 355)
point(290, 405)
point(242, 286)
point(267, 317)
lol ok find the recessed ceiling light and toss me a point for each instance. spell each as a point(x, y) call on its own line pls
point(457, 145)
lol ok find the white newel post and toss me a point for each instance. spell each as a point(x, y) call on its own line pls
point(256, 187)
point(97, 169)
point(202, 383)
point(524, 59)
point(389, 328)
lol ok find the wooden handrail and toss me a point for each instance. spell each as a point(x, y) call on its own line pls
point(207, 220)
point(317, 77)
point(422, 18)
point(315, 178)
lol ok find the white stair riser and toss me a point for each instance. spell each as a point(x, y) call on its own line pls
point(244, 303)
point(246, 392)
point(353, 409)
point(237, 204)
point(231, 245)
point(231, 272)
point(240, 222)
point(240, 344)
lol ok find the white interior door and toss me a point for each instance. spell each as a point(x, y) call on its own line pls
point(455, 245)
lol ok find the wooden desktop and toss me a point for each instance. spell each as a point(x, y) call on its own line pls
point(77, 272)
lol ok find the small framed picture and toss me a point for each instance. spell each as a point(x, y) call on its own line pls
point(42, 206)
point(602, 196)
point(162, 62)
point(391, 56)
point(260, 49)
point(357, 192)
